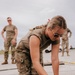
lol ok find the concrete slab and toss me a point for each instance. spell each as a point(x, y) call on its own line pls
point(69, 63)
point(67, 69)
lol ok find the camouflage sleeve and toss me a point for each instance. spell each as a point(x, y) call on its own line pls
point(36, 33)
point(15, 27)
point(55, 42)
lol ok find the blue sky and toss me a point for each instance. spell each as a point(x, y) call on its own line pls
point(30, 13)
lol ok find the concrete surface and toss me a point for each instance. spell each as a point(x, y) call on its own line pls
point(67, 69)
point(69, 61)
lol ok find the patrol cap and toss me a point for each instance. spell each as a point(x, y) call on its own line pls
point(9, 18)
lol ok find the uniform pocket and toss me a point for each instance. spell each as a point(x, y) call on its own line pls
point(22, 62)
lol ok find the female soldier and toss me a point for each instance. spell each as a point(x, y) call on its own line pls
point(29, 50)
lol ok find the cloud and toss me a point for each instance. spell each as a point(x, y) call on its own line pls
point(47, 11)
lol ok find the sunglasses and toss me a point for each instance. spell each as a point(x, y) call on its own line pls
point(57, 35)
point(8, 20)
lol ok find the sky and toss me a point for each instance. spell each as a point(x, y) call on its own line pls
point(27, 14)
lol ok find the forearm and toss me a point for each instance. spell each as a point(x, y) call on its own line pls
point(15, 36)
point(16, 33)
point(39, 68)
point(55, 65)
point(3, 36)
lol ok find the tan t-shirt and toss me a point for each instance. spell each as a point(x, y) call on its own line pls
point(10, 30)
point(45, 41)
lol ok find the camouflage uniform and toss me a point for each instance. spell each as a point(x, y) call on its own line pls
point(65, 41)
point(22, 56)
point(7, 44)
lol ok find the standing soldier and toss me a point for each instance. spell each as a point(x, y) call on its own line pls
point(65, 41)
point(9, 40)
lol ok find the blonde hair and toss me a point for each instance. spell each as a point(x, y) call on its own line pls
point(57, 21)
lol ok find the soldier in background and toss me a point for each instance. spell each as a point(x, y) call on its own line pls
point(65, 41)
point(9, 40)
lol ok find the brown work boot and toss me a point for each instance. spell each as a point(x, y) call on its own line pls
point(5, 62)
point(13, 62)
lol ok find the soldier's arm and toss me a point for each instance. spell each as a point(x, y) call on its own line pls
point(16, 33)
point(2, 33)
point(34, 44)
point(15, 37)
point(55, 59)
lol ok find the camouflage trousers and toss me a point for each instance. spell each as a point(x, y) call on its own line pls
point(65, 46)
point(24, 64)
point(7, 45)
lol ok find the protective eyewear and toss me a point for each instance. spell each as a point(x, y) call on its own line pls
point(57, 35)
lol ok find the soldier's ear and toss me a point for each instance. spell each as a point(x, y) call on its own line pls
point(50, 28)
